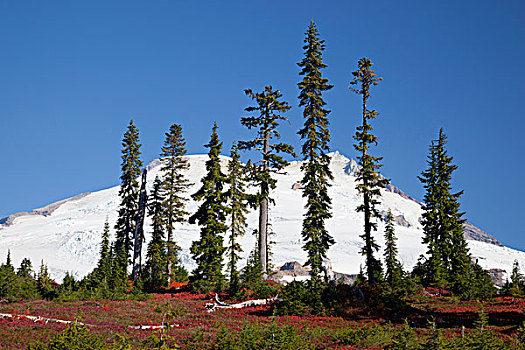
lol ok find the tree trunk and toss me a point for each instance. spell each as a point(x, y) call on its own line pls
point(263, 236)
point(263, 213)
point(168, 246)
point(139, 230)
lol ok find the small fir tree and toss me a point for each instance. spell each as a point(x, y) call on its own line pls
point(103, 269)
point(393, 269)
point(369, 180)
point(8, 279)
point(8, 263)
point(238, 208)
point(405, 338)
point(26, 269)
point(128, 193)
point(45, 284)
point(480, 284)
point(265, 121)
point(517, 286)
point(119, 275)
point(484, 337)
point(174, 184)
point(211, 216)
point(252, 273)
point(316, 170)
point(155, 269)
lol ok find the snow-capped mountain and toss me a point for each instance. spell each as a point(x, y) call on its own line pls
point(67, 234)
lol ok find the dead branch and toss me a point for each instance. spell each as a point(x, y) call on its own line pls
point(210, 307)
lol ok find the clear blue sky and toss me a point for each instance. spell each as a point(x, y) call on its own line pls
point(73, 73)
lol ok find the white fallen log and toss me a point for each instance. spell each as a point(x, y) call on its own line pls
point(46, 320)
point(221, 305)
point(42, 319)
point(140, 327)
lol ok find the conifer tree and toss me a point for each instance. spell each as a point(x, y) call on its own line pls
point(45, 283)
point(118, 273)
point(449, 259)
point(393, 269)
point(155, 269)
point(211, 216)
point(369, 180)
point(265, 121)
point(252, 273)
point(238, 208)
point(128, 193)
point(174, 185)
point(103, 269)
point(433, 267)
point(315, 136)
point(517, 286)
point(26, 269)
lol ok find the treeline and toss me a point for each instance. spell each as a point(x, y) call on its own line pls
point(224, 204)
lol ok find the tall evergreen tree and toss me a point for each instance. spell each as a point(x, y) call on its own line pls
point(443, 222)
point(265, 121)
point(155, 269)
point(211, 216)
point(369, 180)
point(128, 193)
point(315, 136)
point(434, 268)
point(174, 184)
point(238, 208)
point(393, 269)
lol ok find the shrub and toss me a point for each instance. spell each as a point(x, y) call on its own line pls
point(296, 300)
point(255, 335)
point(74, 337)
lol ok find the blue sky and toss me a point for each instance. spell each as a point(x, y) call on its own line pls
point(72, 75)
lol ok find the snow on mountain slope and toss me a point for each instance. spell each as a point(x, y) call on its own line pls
point(68, 236)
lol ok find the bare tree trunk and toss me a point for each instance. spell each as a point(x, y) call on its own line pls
point(139, 230)
point(263, 213)
point(263, 236)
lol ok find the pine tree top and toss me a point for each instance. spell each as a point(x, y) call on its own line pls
point(131, 162)
point(212, 186)
point(266, 120)
point(365, 76)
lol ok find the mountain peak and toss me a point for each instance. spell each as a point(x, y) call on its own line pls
point(67, 234)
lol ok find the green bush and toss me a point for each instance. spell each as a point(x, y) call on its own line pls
point(364, 337)
point(255, 335)
point(296, 300)
point(74, 337)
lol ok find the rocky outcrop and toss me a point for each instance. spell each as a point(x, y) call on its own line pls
point(475, 234)
point(44, 211)
point(498, 277)
point(396, 190)
point(399, 220)
point(295, 269)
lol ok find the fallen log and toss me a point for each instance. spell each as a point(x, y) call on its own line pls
point(46, 320)
point(210, 307)
point(42, 319)
point(140, 327)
